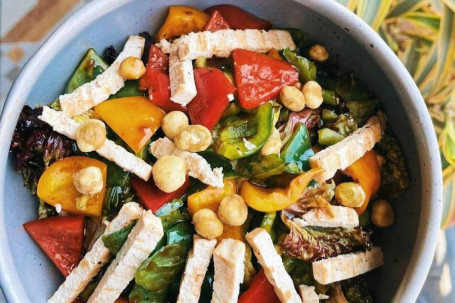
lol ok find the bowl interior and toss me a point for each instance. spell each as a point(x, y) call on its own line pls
point(110, 22)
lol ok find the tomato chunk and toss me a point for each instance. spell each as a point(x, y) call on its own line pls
point(216, 22)
point(158, 59)
point(151, 197)
point(238, 18)
point(61, 239)
point(211, 100)
point(259, 78)
point(260, 290)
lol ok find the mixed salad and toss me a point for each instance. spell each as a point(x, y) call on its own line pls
point(220, 160)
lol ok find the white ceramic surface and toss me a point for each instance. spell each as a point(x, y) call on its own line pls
point(26, 275)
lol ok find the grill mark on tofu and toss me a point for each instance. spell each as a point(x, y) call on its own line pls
point(110, 150)
point(95, 259)
point(348, 150)
point(198, 167)
point(273, 266)
point(345, 217)
point(140, 243)
point(109, 82)
point(228, 258)
point(347, 266)
point(195, 269)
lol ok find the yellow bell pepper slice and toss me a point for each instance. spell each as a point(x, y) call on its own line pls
point(182, 20)
point(56, 185)
point(275, 199)
point(367, 173)
point(211, 196)
point(134, 119)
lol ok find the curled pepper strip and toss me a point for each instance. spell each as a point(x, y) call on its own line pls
point(275, 199)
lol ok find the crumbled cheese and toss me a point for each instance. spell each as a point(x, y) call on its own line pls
point(248, 144)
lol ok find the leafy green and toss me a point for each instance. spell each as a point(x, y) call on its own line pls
point(362, 110)
point(300, 271)
point(216, 160)
point(315, 243)
point(266, 166)
point(350, 88)
point(356, 291)
point(172, 213)
point(115, 240)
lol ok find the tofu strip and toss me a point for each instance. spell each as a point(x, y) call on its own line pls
point(181, 76)
point(110, 150)
point(196, 267)
point(348, 150)
point(198, 167)
point(308, 294)
point(141, 242)
point(109, 82)
point(95, 259)
point(271, 262)
point(347, 266)
point(345, 217)
point(228, 258)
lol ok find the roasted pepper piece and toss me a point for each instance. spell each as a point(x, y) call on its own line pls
point(182, 20)
point(238, 18)
point(211, 196)
point(275, 199)
point(247, 139)
point(260, 290)
point(367, 173)
point(56, 185)
point(134, 119)
point(216, 22)
point(307, 69)
point(298, 149)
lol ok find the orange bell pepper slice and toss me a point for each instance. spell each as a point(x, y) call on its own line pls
point(134, 119)
point(367, 173)
point(211, 196)
point(275, 199)
point(56, 185)
point(182, 20)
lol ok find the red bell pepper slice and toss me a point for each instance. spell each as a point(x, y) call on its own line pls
point(151, 197)
point(238, 18)
point(216, 22)
point(260, 290)
point(158, 59)
point(211, 100)
point(259, 78)
point(61, 239)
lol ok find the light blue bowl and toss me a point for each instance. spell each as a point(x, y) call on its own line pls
point(28, 276)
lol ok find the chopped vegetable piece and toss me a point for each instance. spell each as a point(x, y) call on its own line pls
point(327, 137)
point(238, 18)
point(182, 20)
point(298, 148)
point(115, 241)
point(260, 290)
point(211, 196)
point(56, 185)
point(329, 97)
point(134, 119)
point(157, 59)
point(216, 22)
point(307, 69)
point(274, 199)
point(60, 238)
point(151, 197)
point(213, 89)
point(255, 130)
point(366, 171)
point(259, 78)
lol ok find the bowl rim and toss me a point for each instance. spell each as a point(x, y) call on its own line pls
point(430, 212)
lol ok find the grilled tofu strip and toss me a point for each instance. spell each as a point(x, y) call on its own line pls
point(308, 294)
point(108, 83)
point(110, 150)
point(228, 257)
point(140, 243)
point(95, 259)
point(347, 266)
point(348, 150)
point(345, 217)
point(271, 262)
point(195, 269)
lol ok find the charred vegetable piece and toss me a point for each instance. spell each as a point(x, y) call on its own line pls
point(307, 69)
point(115, 241)
point(238, 18)
point(297, 150)
point(315, 243)
point(298, 36)
point(182, 20)
point(248, 139)
point(350, 88)
point(61, 239)
point(259, 78)
point(329, 97)
point(357, 291)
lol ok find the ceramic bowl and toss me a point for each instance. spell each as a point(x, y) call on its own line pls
point(409, 244)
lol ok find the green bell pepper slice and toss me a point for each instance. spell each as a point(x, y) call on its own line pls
point(297, 150)
point(307, 69)
point(231, 139)
point(328, 137)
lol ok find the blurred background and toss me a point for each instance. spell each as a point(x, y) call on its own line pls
point(420, 32)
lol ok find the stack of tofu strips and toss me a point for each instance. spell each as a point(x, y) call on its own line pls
point(228, 256)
